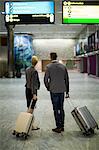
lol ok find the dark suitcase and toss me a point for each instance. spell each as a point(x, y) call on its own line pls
point(85, 120)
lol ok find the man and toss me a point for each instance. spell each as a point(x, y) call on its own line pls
point(56, 80)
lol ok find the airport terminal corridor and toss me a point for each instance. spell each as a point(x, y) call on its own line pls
point(84, 90)
point(70, 29)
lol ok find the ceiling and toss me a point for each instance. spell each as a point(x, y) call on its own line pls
point(49, 31)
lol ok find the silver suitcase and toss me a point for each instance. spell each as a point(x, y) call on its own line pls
point(85, 120)
point(23, 124)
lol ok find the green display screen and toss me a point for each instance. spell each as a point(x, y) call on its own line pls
point(80, 12)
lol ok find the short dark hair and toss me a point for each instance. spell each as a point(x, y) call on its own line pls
point(53, 56)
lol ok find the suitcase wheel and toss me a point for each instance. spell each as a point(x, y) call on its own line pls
point(97, 127)
point(91, 131)
point(86, 133)
point(17, 134)
point(22, 134)
point(14, 132)
point(25, 137)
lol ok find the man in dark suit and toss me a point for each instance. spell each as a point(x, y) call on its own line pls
point(56, 81)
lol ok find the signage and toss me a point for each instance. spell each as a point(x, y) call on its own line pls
point(80, 12)
point(29, 12)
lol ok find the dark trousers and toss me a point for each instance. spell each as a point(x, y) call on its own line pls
point(58, 104)
point(29, 97)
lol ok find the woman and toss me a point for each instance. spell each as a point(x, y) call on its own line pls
point(32, 85)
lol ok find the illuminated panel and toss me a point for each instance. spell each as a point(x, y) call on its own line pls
point(80, 12)
point(29, 12)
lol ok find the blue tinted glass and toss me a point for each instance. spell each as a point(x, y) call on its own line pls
point(44, 7)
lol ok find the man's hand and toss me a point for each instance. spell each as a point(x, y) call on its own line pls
point(67, 95)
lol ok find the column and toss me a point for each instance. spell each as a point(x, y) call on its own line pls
point(11, 64)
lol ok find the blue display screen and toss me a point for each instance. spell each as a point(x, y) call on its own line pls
point(37, 12)
point(44, 7)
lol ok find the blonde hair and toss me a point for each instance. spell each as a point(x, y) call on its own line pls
point(34, 60)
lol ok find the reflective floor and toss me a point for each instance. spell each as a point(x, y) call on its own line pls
point(84, 90)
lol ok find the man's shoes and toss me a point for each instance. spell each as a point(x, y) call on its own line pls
point(62, 129)
point(58, 130)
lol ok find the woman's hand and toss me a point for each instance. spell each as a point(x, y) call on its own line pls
point(34, 97)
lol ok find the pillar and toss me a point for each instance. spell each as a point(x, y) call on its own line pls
point(11, 64)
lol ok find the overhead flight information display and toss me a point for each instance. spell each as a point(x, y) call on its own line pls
point(80, 12)
point(29, 12)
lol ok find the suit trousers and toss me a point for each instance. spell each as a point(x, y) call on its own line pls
point(58, 108)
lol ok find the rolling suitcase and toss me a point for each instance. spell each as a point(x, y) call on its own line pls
point(23, 124)
point(85, 120)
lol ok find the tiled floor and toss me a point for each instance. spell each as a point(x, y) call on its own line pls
point(84, 90)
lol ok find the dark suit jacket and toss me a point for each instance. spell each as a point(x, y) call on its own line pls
point(32, 79)
point(56, 77)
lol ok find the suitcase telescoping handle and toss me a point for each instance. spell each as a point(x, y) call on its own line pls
point(70, 103)
point(29, 109)
point(31, 104)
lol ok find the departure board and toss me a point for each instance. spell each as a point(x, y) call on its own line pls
point(80, 12)
point(37, 12)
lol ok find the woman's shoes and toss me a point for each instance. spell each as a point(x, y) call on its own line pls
point(35, 128)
